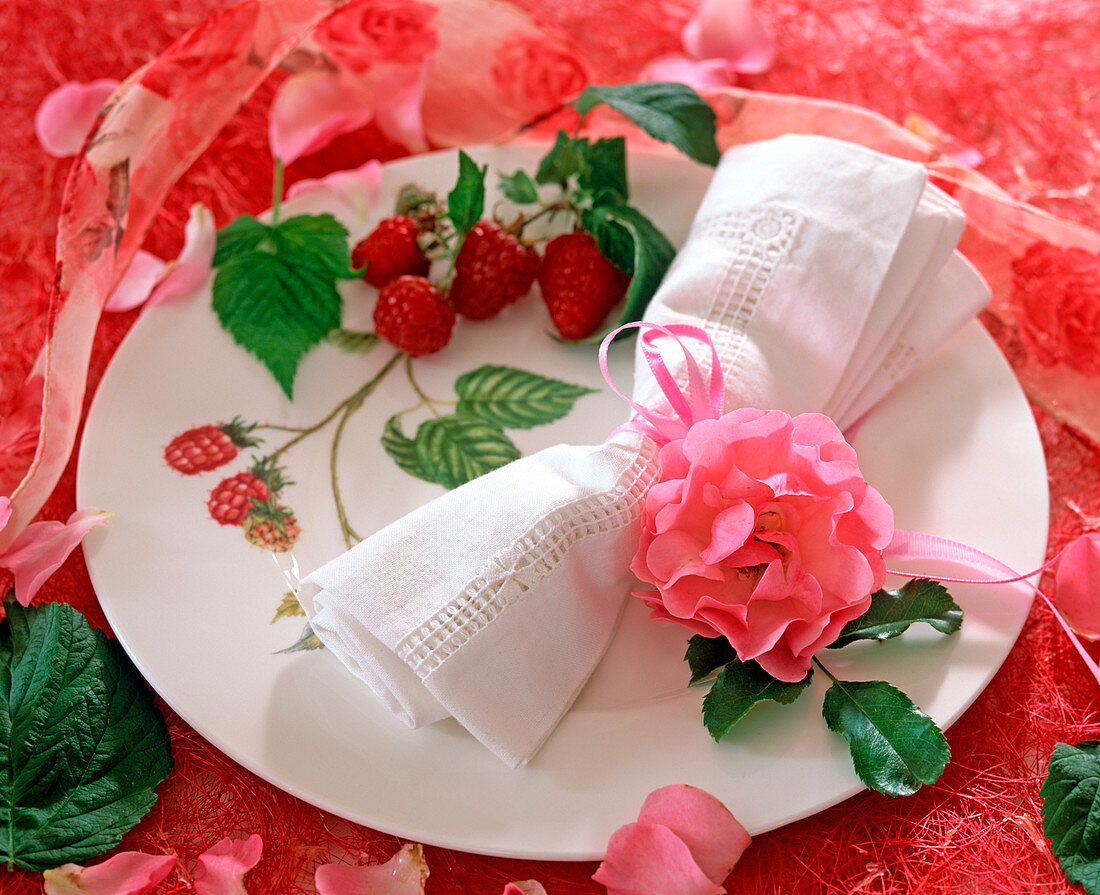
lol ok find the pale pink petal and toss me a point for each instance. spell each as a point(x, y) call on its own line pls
point(128, 873)
point(403, 874)
point(701, 74)
point(399, 101)
point(357, 189)
point(1077, 586)
point(310, 110)
point(712, 834)
point(137, 284)
point(221, 868)
point(649, 859)
point(67, 114)
point(5, 511)
point(524, 887)
point(730, 30)
point(190, 271)
point(40, 548)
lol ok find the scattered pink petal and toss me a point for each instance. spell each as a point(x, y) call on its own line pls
point(399, 100)
point(1077, 586)
point(5, 511)
point(730, 30)
point(649, 859)
point(67, 114)
point(221, 868)
point(40, 548)
point(137, 284)
point(524, 887)
point(704, 74)
point(357, 189)
point(128, 873)
point(310, 110)
point(403, 874)
point(19, 433)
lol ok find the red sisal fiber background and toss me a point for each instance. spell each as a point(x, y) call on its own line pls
point(1014, 80)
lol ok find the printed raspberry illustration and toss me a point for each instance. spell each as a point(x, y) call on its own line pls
point(272, 527)
point(492, 270)
point(208, 447)
point(231, 499)
point(579, 284)
point(412, 315)
point(390, 251)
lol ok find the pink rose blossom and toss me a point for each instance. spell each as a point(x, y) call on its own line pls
point(536, 74)
point(760, 528)
point(364, 33)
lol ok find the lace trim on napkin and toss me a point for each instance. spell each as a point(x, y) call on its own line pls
point(529, 559)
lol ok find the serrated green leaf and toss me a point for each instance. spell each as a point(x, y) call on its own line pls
point(288, 607)
point(892, 611)
point(353, 341)
point(738, 687)
point(561, 162)
point(466, 201)
point(603, 170)
point(667, 111)
point(245, 234)
point(306, 641)
point(707, 654)
point(1071, 811)
point(650, 255)
point(317, 241)
point(519, 187)
point(402, 449)
point(895, 746)
point(454, 450)
point(82, 746)
point(515, 399)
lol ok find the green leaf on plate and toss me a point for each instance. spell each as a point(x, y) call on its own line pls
point(82, 746)
point(516, 399)
point(738, 687)
point(707, 654)
point(895, 746)
point(275, 287)
point(454, 450)
point(1071, 811)
point(519, 187)
point(667, 111)
point(402, 450)
point(603, 170)
point(306, 641)
point(353, 341)
point(892, 611)
point(561, 162)
point(288, 607)
point(466, 201)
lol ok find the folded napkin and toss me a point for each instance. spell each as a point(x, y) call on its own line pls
point(821, 271)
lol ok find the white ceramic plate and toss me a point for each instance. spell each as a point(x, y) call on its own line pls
point(954, 450)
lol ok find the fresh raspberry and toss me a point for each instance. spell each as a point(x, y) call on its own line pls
point(492, 270)
point(231, 499)
point(412, 315)
point(272, 527)
point(208, 447)
point(579, 284)
point(389, 251)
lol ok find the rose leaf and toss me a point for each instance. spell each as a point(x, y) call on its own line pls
point(1071, 811)
point(738, 687)
point(707, 654)
point(892, 611)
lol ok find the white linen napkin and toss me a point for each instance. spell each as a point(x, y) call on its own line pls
point(817, 267)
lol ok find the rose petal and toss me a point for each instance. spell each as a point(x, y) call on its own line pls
point(701, 74)
point(403, 874)
point(190, 271)
point(40, 548)
point(310, 110)
point(649, 859)
point(221, 868)
point(713, 835)
point(137, 284)
point(730, 30)
point(1077, 586)
point(357, 189)
point(399, 100)
point(67, 114)
point(128, 873)
point(5, 511)
point(524, 887)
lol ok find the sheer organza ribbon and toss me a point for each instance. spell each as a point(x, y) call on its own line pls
point(704, 400)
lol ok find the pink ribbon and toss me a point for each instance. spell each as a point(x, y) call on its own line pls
point(704, 400)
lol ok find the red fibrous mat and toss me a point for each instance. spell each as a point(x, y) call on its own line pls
point(1015, 81)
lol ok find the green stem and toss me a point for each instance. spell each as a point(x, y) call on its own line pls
point(828, 673)
point(277, 191)
point(349, 533)
point(424, 399)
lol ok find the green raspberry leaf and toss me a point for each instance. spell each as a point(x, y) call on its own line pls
point(561, 162)
point(353, 341)
point(519, 187)
point(402, 450)
point(633, 244)
point(603, 170)
point(1071, 811)
point(707, 654)
point(738, 687)
point(454, 450)
point(466, 201)
point(515, 399)
point(82, 746)
point(667, 111)
point(895, 746)
point(275, 287)
point(892, 611)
